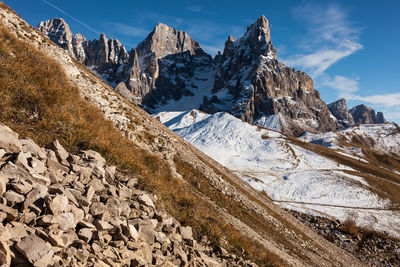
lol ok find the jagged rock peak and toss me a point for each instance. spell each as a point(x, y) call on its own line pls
point(260, 29)
point(57, 30)
point(366, 115)
point(165, 40)
point(254, 43)
point(340, 111)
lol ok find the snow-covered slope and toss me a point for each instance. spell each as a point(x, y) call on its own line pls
point(292, 176)
point(381, 137)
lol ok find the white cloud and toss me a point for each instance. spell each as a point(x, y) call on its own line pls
point(345, 85)
point(384, 100)
point(330, 38)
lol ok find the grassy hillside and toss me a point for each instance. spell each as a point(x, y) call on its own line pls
point(39, 102)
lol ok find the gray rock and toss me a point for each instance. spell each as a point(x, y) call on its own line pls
point(60, 151)
point(366, 115)
point(12, 214)
point(186, 232)
point(13, 197)
point(58, 204)
point(85, 234)
point(9, 140)
point(38, 192)
point(146, 200)
point(36, 251)
point(340, 111)
point(29, 146)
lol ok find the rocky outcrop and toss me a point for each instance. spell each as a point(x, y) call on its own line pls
point(62, 209)
point(340, 111)
point(167, 59)
point(366, 115)
point(59, 32)
point(253, 85)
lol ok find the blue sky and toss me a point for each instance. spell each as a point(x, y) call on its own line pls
point(350, 48)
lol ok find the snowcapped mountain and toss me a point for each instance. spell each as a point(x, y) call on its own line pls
point(292, 175)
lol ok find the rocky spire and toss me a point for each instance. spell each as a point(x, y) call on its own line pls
point(340, 111)
point(58, 31)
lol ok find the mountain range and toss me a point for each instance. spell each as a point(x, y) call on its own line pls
point(169, 70)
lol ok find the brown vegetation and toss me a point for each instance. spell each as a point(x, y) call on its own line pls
point(350, 227)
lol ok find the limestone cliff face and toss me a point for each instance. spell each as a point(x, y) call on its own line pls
point(253, 85)
point(58, 31)
point(162, 64)
point(340, 111)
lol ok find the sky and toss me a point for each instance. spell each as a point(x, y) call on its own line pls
point(350, 48)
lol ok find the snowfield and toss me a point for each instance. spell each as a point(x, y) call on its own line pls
point(293, 177)
point(386, 137)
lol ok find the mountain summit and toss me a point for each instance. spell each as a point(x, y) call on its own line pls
point(253, 85)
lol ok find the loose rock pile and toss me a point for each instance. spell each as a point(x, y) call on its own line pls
point(373, 248)
point(59, 209)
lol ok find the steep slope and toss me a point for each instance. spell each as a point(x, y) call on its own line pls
point(80, 200)
point(252, 85)
point(191, 186)
point(292, 176)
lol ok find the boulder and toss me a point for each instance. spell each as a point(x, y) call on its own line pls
point(9, 140)
point(60, 151)
point(36, 251)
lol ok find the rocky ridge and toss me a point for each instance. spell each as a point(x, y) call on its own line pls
point(375, 249)
point(360, 114)
point(366, 115)
point(246, 80)
point(61, 209)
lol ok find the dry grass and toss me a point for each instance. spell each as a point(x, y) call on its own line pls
point(350, 227)
point(39, 102)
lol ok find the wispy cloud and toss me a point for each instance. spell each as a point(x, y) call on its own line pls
point(330, 38)
point(195, 8)
point(127, 30)
point(345, 85)
point(70, 16)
